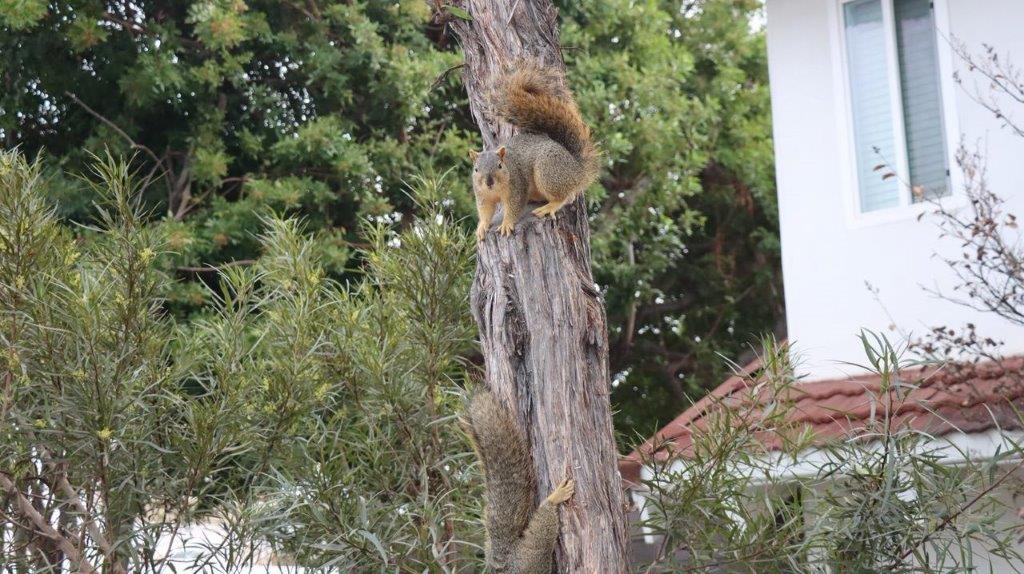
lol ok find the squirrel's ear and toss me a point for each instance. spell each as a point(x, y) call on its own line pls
point(501, 153)
point(472, 154)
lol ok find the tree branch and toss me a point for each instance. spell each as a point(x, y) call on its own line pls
point(124, 135)
point(29, 512)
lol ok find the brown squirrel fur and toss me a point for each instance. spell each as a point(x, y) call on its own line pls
point(520, 539)
point(551, 158)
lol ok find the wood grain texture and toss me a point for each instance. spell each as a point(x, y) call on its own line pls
point(541, 318)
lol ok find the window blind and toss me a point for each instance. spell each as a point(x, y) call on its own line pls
point(921, 98)
point(870, 100)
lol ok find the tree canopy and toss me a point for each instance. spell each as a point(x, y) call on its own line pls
point(323, 109)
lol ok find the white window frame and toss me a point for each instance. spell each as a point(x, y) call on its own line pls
point(906, 209)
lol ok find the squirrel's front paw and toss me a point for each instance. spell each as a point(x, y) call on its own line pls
point(562, 492)
point(481, 231)
point(506, 228)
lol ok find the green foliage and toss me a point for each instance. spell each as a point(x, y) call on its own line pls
point(684, 226)
point(327, 103)
point(885, 498)
point(316, 420)
point(397, 343)
point(90, 381)
point(293, 411)
point(20, 14)
point(319, 110)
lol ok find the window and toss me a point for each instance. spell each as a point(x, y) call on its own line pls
point(896, 101)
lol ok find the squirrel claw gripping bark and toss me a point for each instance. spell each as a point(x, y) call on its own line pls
point(562, 492)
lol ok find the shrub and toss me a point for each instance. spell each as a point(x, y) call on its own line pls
point(295, 413)
point(884, 498)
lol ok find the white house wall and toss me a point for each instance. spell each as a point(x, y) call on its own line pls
point(830, 252)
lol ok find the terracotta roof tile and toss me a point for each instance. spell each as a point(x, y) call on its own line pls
point(939, 401)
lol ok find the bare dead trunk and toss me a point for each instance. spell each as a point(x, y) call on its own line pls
point(541, 318)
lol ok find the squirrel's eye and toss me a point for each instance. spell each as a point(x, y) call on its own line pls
point(500, 166)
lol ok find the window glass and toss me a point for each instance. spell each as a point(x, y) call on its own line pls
point(922, 99)
point(870, 99)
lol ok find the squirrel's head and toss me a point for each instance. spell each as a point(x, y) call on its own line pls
point(489, 171)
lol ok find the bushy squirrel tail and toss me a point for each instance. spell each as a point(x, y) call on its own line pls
point(535, 99)
point(508, 468)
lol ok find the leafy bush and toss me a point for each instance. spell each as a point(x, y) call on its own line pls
point(296, 413)
point(884, 498)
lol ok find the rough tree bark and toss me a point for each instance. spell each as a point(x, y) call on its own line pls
point(541, 318)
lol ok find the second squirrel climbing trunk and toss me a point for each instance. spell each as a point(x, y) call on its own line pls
point(541, 318)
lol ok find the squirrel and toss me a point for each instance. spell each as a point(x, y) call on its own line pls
point(551, 158)
point(520, 539)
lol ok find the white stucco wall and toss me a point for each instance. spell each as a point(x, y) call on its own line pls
point(828, 250)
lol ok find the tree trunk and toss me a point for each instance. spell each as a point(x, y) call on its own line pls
point(541, 318)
